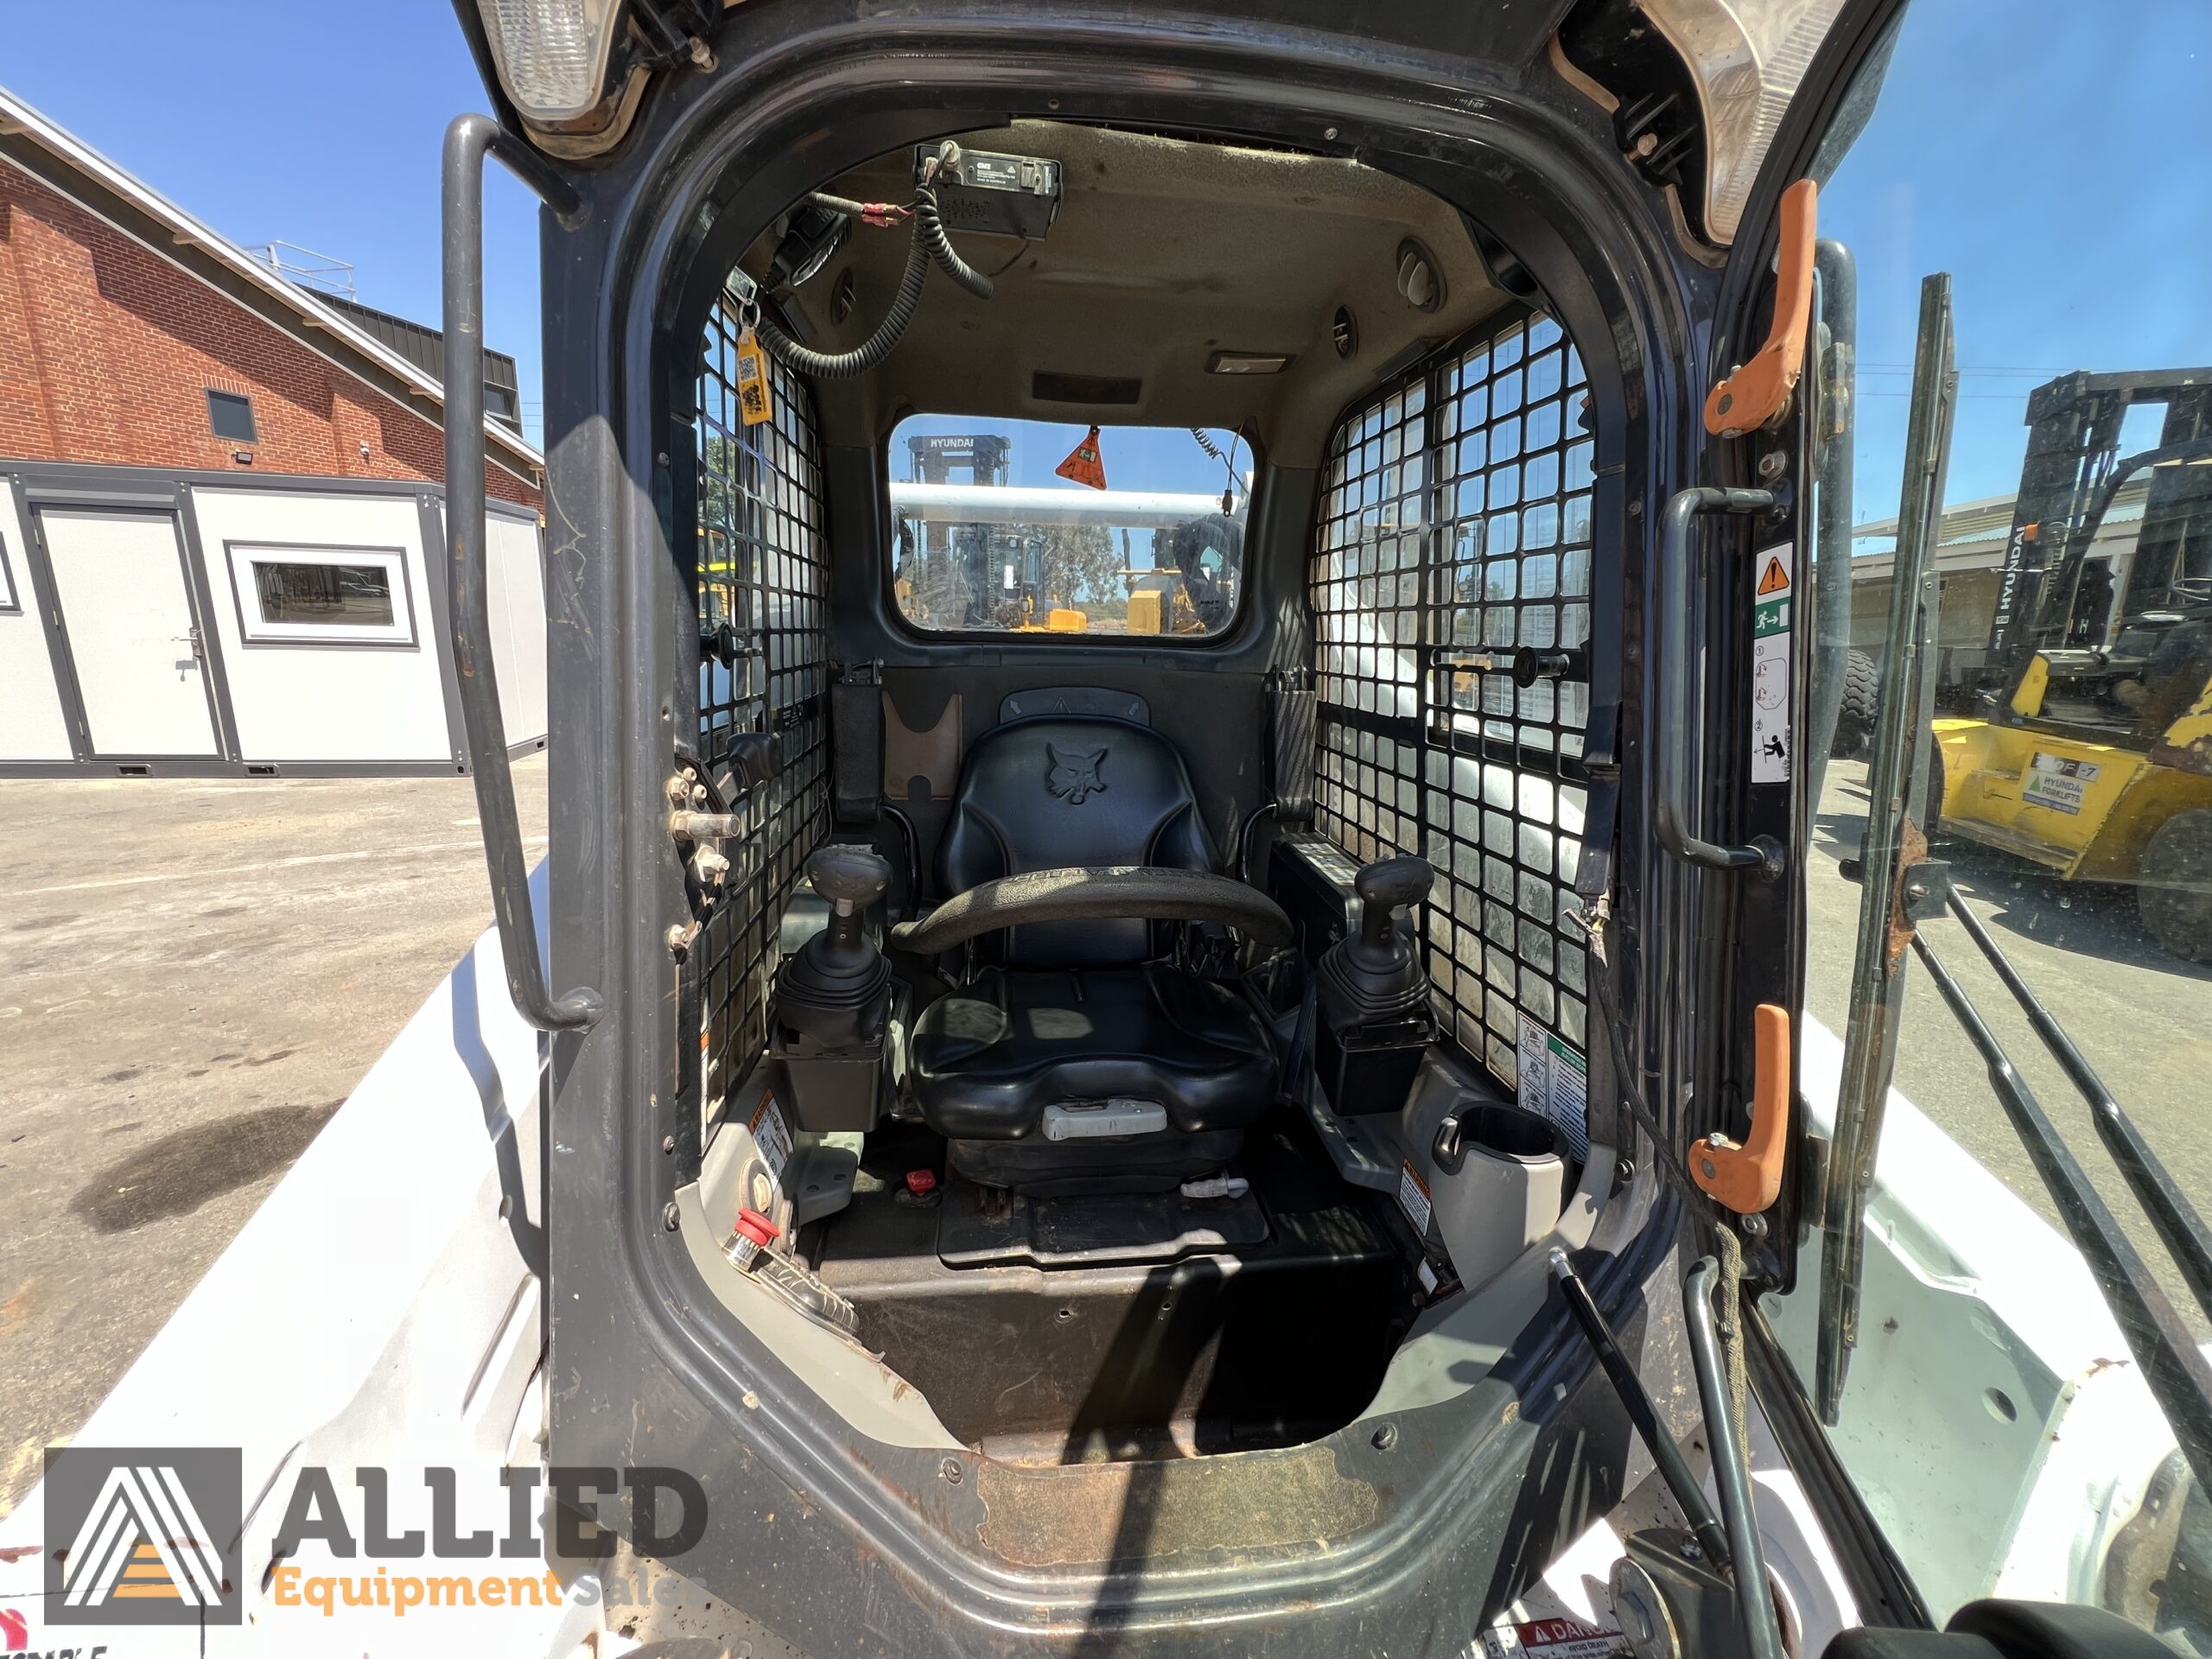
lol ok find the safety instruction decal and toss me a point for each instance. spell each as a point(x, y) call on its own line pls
point(1413, 1197)
point(2053, 781)
point(1550, 1638)
point(1773, 615)
point(1554, 1081)
point(772, 1137)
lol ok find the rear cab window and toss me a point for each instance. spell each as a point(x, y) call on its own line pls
point(1003, 526)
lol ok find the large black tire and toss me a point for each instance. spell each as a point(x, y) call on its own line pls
point(1861, 702)
point(2173, 893)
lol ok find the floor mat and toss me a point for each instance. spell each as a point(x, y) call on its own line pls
point(990, 1227)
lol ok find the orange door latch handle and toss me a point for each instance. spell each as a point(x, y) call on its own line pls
point(1757, 393)
point(1747, 1177)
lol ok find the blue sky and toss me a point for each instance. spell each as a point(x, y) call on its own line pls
point(1136, 458)
point(317, 123)
point(2050, 155)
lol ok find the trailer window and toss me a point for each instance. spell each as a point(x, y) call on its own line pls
point(763, 588)
point(1012, 526)
point(315, 595)
point(1455, 528)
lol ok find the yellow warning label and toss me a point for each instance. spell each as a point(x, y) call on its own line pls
point(1774, 578)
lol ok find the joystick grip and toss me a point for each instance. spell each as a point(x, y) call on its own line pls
point(849, 878)
point(1383, 888)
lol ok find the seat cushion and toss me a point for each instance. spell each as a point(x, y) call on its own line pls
point(988, 1059)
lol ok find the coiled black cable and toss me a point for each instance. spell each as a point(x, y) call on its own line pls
point(930, 230)
point(848, 365)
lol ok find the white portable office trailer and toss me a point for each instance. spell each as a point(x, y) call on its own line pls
point(154, 622)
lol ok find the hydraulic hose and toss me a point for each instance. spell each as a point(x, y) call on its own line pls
point(850, 365)
point(929, 230)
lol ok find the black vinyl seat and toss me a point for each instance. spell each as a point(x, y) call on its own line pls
point(1064, 1024)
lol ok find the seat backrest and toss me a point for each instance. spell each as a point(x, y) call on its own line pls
point(1067, 790)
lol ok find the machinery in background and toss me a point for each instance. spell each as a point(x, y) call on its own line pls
point(2092, 751)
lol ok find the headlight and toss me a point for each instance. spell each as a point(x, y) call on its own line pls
point(1748, 57)
point(551, 55)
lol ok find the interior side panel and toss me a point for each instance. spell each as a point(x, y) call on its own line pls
point(1455, 529)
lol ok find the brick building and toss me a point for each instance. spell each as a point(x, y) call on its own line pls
point(195, 452)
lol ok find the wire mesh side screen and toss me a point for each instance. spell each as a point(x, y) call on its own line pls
point(763, 570)
point(1454, 528)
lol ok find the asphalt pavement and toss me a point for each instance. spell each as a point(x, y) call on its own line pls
point(193, 974)
point(2142, 1019)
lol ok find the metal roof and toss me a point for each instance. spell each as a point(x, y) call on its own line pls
point(57, 158)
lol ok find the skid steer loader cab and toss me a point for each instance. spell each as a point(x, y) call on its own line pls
point(1190, 656)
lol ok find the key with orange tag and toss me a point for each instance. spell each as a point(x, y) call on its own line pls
point(754, 401)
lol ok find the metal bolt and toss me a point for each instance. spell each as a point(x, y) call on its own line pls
point(1646, 142)
point(1772, 463)
point(671, 1217)
point(1624, 1171)
point(667, 1143)
point(1690, 1551)
point(1386, 1436)
point(953, 1470)
point(1328, 132)
point(1754, 1226)
point(679, 942)
point(1705, 1168)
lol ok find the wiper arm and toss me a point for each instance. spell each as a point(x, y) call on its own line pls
point(1894, 840)
point(2179, 1227)
point(2179, 1378)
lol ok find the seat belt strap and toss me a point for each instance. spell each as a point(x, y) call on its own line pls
point(856, 742)
point(1291, 722)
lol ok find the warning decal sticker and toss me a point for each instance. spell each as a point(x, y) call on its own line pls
point(1555, 1081)
point(1413, 1197)
point(1773, 616)
point(770, 1135)
point(1551, 1638)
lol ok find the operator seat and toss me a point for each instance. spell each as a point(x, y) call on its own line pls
point(1076, 1058)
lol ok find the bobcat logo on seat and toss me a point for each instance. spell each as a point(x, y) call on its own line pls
point(1073, 777)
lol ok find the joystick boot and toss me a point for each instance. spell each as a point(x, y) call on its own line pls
point(1371, 995)
point(833, 1000)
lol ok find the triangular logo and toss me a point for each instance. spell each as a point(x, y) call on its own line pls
point(1774, 578)
point(141, 1540)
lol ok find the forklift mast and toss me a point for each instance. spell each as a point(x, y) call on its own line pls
point(2048, 597)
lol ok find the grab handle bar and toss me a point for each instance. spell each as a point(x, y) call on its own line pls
point(1670, 796)
point(468, 140)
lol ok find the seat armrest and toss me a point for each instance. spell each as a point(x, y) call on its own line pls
point(1097, 894)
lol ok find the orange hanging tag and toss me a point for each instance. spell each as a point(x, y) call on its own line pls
point(1084, 465)
point(753, 401)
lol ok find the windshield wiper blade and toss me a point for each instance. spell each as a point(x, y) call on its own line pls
point(2179, 1227)
point(2176, 1370)
point(1893, 842)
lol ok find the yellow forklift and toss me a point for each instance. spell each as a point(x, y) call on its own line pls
point(2092, 751)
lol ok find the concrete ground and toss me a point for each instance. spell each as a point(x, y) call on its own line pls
point(193, 974)
point(2142, 1018)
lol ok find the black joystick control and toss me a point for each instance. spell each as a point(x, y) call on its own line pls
point(1384, 889)
point(1371, 995)
point(839, 969)
point(834, 998)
